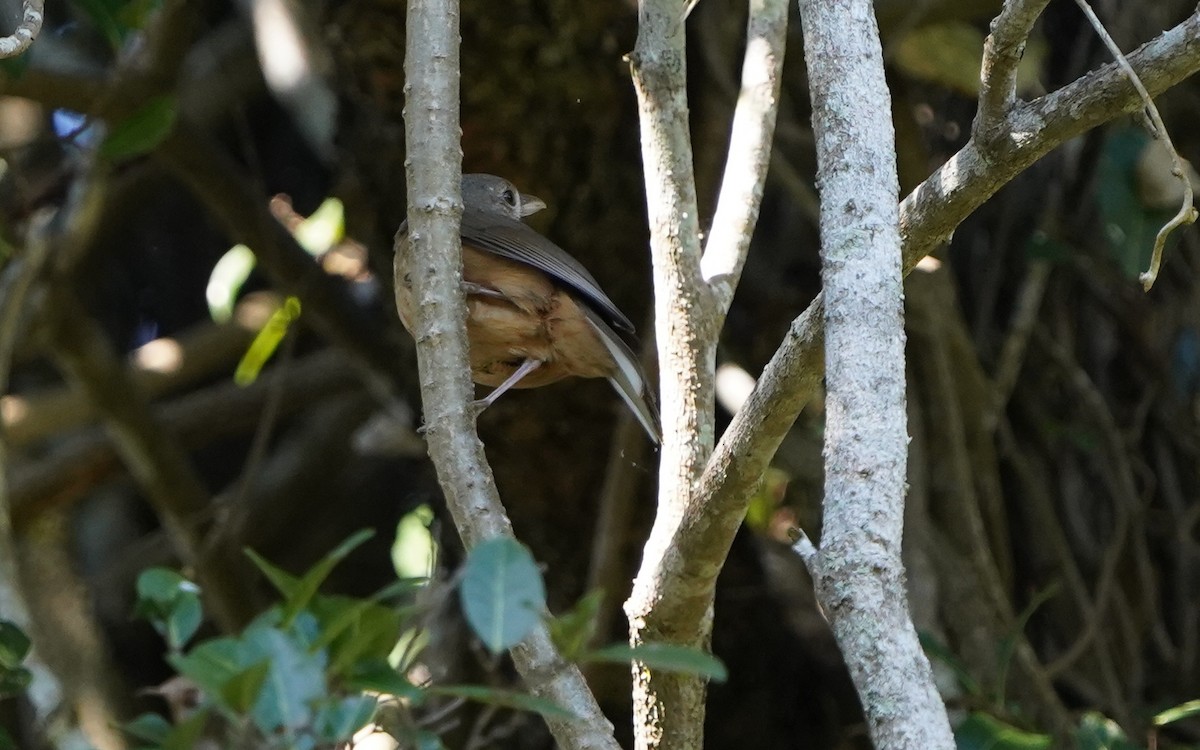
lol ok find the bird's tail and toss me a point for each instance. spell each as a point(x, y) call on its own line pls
point(629, 380)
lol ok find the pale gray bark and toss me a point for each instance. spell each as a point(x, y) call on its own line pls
point(858, 572)
point(692, 295)
point(32, 15)
point(434, 264)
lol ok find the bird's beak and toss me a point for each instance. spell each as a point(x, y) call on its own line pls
point(531, 204)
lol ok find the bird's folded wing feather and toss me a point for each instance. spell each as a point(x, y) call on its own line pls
point(512, 239)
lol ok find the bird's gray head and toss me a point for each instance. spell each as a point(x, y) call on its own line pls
point(494, 194)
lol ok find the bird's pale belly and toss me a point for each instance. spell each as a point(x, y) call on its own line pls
point(503, 336)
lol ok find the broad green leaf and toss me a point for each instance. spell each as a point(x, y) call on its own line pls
point(339, 718)
point(1098, 732)
point(665, 657)
point(285, 583)
point(312, 580)
point(6, 741)
point(414, 550)
point(149, 727)
point(226, 281)
point(295, 679)
point(241, 691)
point(354, 630)
point(299, 592)
point(171, 603)
point(213, 663)
point(502, 593)
point(504, 699)
point(142, 131)
point(572, 631)
point(1177, 713)
point(983, 732)
point(163, 585)
point(380, 677)
point(14, 645)
point(14, 680)
point(186, 733)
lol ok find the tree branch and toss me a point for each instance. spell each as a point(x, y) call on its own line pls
point(669, 708)
point(434, 263)
point(32, 15)
point(859, 575)
point(1001, 57)
point(928, 216)
point(750, 148)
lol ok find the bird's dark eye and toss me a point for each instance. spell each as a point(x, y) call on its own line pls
point(510, 197)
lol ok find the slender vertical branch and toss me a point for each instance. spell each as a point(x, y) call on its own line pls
point(434, 264)
point(1001, 57)
point(750, 142)
point(858, 571)
point(669, 708)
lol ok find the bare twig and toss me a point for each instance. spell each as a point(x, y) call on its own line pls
point(32, 15)
point(1001, 57)
point(1187, 212)
point(750, 149)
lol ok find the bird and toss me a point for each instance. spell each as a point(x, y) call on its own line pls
point(535, 315)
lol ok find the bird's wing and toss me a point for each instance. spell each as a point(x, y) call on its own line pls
point(513, 240)
point(629, 380)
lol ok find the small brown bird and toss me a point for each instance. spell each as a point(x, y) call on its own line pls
point(534, 314)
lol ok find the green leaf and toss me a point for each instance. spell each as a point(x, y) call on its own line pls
point(212, 664)
point(296, 678)
point(339, 718)
point(285, 583)
point(323, 228)
point(354, 630)
point(14, 680)
point(6, 741)
point(504, 699)
point(306, 587)
point(665, 657)
point(1098, 732)
point(148, 727)
point(226, 280)
point(414, 550)
point(171, 603)
point(380, 677)
point(502, 593)
point(980, 731)
point(241, 691)
point(186, 733)
point(266, 342)
point(14, 645)
point(142, 131)
point(1177, 713)
point(572, 631)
